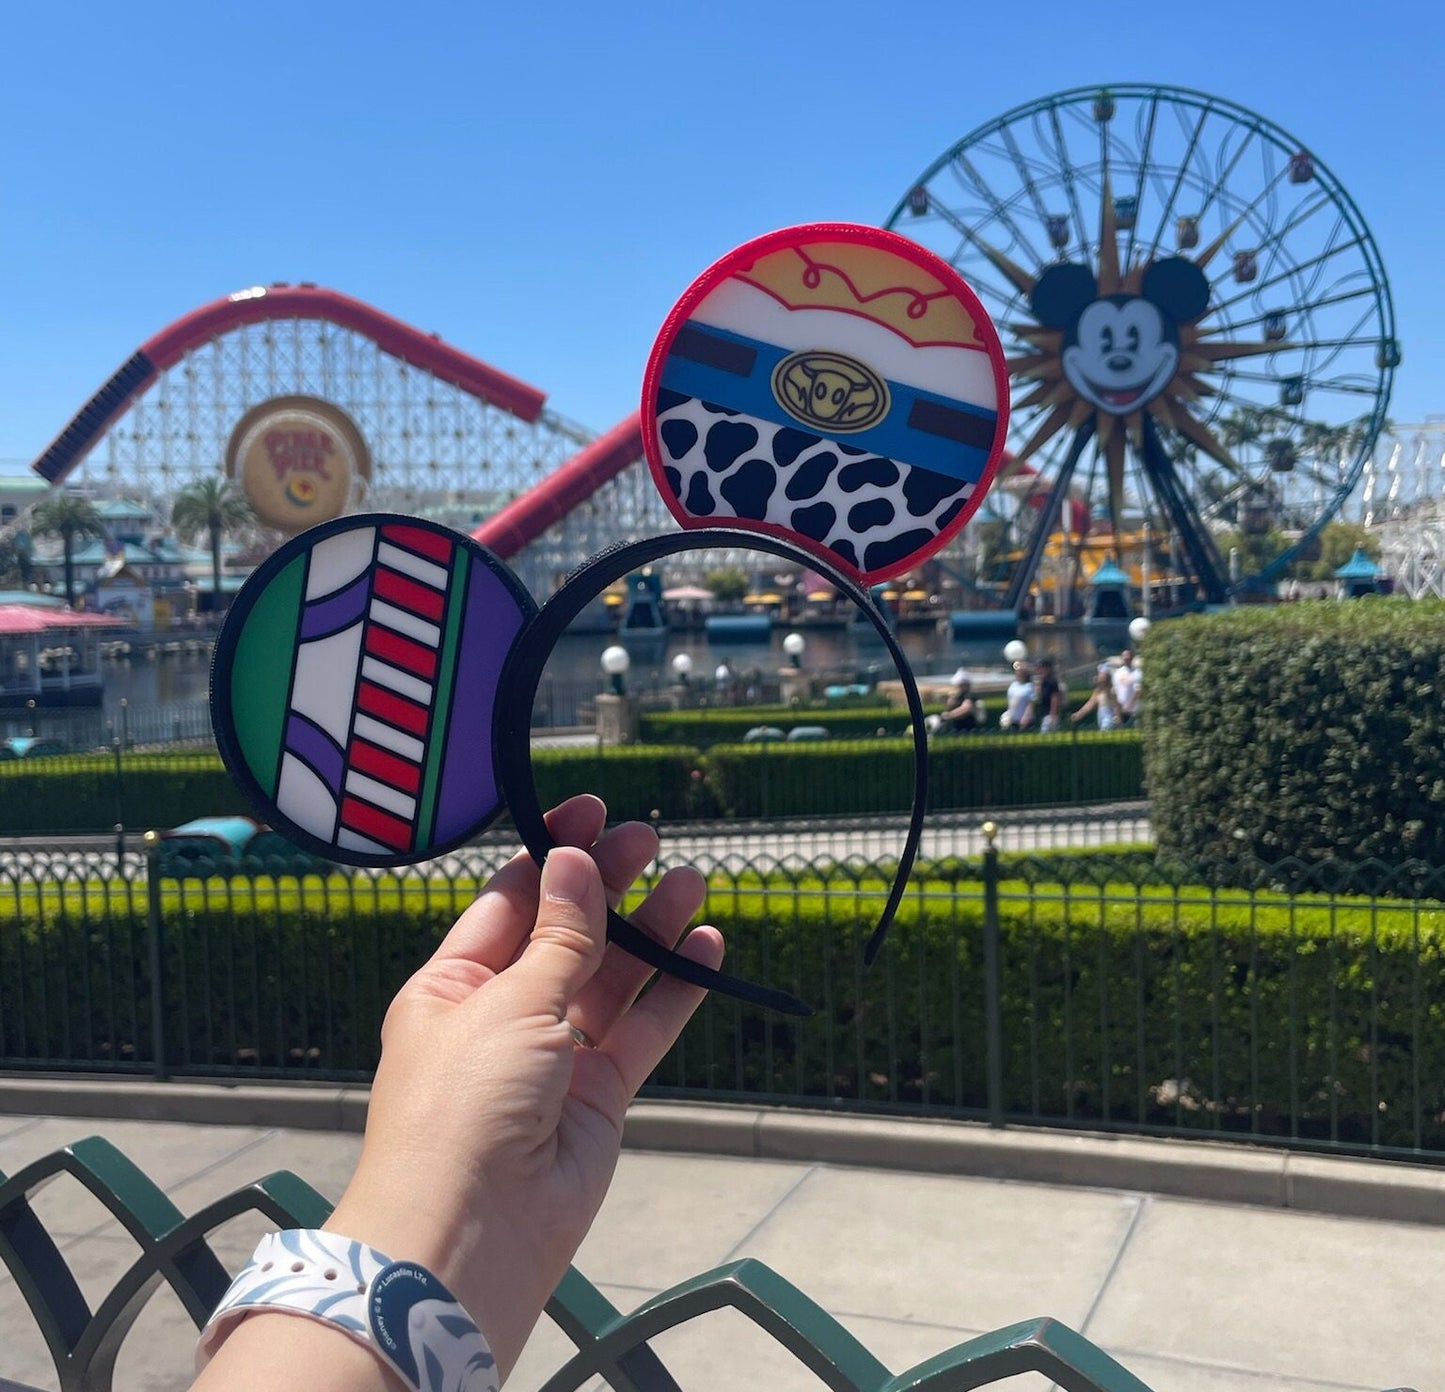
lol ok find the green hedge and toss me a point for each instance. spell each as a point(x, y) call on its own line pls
point(1215, 1011)
point(639, 781)
point(673, 781)
point(975, 771)
point(84, 792)
point(726, 724)
point(1308, 730)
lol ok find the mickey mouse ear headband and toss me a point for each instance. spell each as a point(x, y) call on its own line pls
point(834, 391)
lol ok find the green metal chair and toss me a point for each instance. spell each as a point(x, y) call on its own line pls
point(84, 1343)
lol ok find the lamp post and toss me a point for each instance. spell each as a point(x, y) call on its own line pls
point(615, 662)
point(617, 721)
point(796, 687)
point(1015, 651)
point(682, 677)
point(1137, 629)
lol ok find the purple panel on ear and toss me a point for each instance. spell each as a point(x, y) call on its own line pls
point(491, 621)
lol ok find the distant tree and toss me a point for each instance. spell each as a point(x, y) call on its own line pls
point(71, 518)
point(1256, 549)
point(1338, 542)
point(211, 506)
point(15, 564)
point(727, 584)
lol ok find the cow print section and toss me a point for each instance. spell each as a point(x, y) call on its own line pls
point(827, 494)
point(726, 443)
point(875, 470)
point(816, 521)
point(699, 497)
point(876, 512)
point(882, 554)
point(748, 489)
point(679, 436)
point(811, 477)
point(788, 444)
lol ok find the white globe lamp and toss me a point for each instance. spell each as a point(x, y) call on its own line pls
point(615, 662)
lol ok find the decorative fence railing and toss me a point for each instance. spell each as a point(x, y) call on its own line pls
point(128, 724)
point(83, 1342)
point(1300, 1005)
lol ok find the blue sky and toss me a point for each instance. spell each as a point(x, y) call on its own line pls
point(537, 183)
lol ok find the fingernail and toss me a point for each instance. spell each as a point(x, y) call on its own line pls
point(566, 878)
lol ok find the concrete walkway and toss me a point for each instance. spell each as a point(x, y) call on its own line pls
point(1201, 1268)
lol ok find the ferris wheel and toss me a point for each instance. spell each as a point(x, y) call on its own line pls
point(1200, 331)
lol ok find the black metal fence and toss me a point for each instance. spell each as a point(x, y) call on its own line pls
point(1102, 989)
point(131, 725)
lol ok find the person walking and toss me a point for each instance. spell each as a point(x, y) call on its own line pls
point(1048, 697)
point(1102, 702)
point(1018, 700)
point(1127, 683)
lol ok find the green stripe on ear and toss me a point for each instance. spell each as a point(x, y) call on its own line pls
point(261, 670)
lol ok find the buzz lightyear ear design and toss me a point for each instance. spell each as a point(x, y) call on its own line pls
point(355, 684)
point(834, 385)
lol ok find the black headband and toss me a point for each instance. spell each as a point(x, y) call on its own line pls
point(511, 732)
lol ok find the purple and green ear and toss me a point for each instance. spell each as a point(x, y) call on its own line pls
point(355, 683)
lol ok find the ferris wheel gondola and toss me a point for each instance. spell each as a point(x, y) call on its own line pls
point(1200, 330)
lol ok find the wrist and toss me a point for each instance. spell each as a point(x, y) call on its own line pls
point(496, 1274)
point(400, 1313)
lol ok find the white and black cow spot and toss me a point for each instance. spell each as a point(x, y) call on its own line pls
point(869, 510)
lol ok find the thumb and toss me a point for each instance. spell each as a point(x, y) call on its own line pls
point(565, 948)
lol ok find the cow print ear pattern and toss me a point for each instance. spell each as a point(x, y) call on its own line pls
point(832, 385)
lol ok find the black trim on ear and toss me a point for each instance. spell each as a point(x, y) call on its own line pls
point(1177, 288)
point(512, 748)
point(1060, 294)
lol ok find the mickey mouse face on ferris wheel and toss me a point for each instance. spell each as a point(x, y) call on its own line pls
point(1120, 351)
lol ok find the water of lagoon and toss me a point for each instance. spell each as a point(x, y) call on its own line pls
point(841, 653)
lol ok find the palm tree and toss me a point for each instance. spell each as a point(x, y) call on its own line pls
point(215, 506)
point(71, 518)
point(15, 563)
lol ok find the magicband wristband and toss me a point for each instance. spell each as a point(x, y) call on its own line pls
point(399, 1310)
point(511, 748)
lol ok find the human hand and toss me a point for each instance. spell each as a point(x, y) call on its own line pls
point(492, 1135)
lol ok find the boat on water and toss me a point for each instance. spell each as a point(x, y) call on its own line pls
point(738, 628)
point(49, 657)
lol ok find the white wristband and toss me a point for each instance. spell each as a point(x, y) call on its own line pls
point(400, 1310)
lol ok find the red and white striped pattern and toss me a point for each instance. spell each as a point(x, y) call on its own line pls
point(401, 641)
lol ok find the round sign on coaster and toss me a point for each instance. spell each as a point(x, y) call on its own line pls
point(834, 385)
point(299, 460)
point(355, 682)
